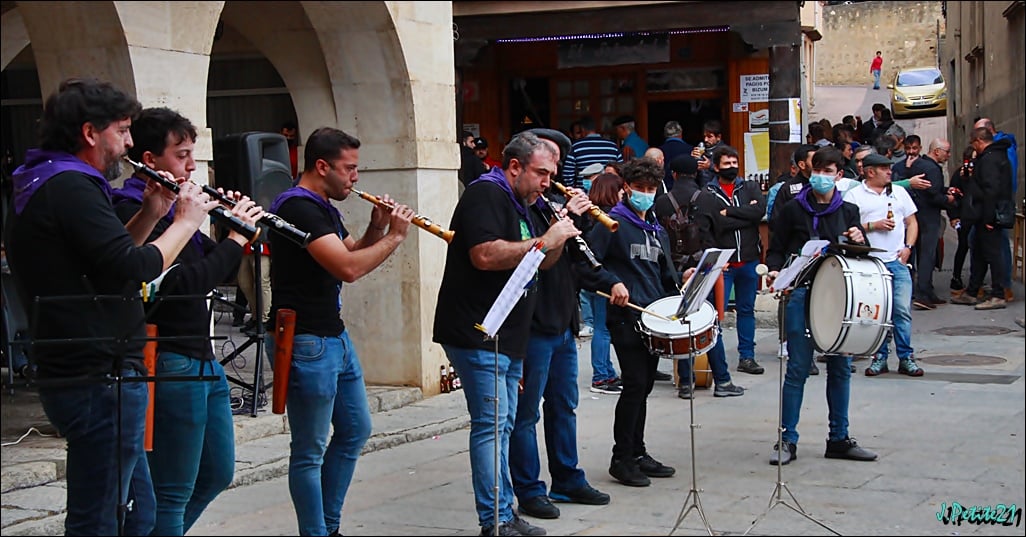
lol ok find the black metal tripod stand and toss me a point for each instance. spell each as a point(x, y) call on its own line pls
point(258, 388)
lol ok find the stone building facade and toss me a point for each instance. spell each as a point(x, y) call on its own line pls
point(907, 33)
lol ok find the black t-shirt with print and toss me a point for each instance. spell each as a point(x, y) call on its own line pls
point(484, 213)
point(298, 281)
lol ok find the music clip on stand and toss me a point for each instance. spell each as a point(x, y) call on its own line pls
point(692, 502)
point(783, 297)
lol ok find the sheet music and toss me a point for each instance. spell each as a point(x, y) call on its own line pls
point(512, 291)
point(810, 250)
point(701, 284)
point(151, 288)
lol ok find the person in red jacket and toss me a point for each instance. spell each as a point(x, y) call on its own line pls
point(875, 69)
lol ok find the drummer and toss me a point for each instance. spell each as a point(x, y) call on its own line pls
point(637, 269)
point(817, 212)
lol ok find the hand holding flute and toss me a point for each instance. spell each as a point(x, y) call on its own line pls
point(390, 216)
point(594, 211)
point(420, 221)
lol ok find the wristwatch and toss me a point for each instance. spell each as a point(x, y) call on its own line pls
point(909, 246)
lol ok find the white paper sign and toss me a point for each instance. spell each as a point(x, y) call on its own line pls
point(755, 88)
point(511, 292)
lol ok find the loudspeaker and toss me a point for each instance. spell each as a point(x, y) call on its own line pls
point(254, 163)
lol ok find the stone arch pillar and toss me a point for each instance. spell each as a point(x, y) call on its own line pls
point(14, 36)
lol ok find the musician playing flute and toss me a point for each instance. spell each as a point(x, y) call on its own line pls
point(816, 212)
point(193, 426)
point(550, 374)
point(493, 233)
point(326, 391)
point(64, 239)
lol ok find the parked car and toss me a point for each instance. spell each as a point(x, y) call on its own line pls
point(918, 90)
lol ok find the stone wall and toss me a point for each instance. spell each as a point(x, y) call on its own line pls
point(906, 33)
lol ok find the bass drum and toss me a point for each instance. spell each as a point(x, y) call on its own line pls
point(849, 309)
point(703, 375)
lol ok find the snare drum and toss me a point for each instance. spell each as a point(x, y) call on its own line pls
point(849, 310)
point(671, 339)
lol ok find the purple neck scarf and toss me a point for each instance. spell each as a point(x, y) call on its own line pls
point(41, 165)
point(497, 176)
point(300, 192)
point(623, 210)
point(803, 199)
point(132, 190)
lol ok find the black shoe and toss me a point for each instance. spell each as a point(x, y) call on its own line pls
point(521, 527)
point(626, 471)
point(848, 449)
point(249, 325)
point(684, 392)
point(786, 455)
point(539, 507)
point(654, 468)
point(936, 300)
point(922, 304)
point(659, 375)
point(586, 495)
point(728, 390)
point(504, 529)
point(750, 366)
point(814, 370)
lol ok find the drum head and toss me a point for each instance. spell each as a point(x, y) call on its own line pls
point(828, 299)
point(667, 307)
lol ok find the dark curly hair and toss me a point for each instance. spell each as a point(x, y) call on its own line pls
point(643, 171)
point(151, 129)
point(76, 102)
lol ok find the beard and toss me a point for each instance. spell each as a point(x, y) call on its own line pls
point(112, 170)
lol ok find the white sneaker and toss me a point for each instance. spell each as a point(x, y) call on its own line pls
point(586, 331)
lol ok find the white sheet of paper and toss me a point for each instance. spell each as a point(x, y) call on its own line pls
point(512, 291)
point(785, 278)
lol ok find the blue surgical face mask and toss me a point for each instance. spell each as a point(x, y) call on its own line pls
point(821, 183)
point(586, 184)
point(642, 201)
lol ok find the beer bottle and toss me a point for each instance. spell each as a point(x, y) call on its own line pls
point(443, 383)
point(890, 211)
point(452, 379)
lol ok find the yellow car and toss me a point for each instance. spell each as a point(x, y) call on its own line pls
point(919, 90)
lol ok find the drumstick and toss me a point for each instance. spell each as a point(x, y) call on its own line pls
point(639, 308)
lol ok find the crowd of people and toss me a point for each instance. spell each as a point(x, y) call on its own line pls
point(867, 184)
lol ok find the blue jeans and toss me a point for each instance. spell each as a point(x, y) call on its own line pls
point(476, 368)
point(85, 416)
point(901, 313)
point(745, 282)
point(587, 315)
point(717, 363)
point(601, 363)
point(550, 370)
point(799, 362)
point(325, 394)
point(193, 457)
point(876, 79)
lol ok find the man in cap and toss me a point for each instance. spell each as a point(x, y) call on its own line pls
point(631, 145)
point(481, 150)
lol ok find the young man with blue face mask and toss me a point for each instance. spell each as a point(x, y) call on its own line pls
point(817, 212)
point(637, 268)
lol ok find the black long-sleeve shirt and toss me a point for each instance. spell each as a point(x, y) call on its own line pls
point(181, 312)
point(69, 242)
point(792, 228)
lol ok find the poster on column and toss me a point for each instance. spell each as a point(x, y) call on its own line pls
point(755, 88)
point(794, 121)
point(756, 155)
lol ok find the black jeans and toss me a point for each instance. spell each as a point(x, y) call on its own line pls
point(637, 375)
point(986, 254)
point(962, 251)
point(926, 249)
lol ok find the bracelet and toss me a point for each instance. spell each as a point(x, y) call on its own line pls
point(869, 226)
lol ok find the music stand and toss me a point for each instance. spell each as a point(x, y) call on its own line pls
point(784, 297)
point(258, 388)
point(692, 501)
point(120, 342)
point(516, 286)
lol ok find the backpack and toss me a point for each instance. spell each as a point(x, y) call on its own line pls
point(685, 239)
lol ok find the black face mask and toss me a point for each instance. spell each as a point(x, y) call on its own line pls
point(727, 174)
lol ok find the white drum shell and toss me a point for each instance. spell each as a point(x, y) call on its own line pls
point(849, 308)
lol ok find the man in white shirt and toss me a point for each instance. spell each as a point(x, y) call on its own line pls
point(887, 213)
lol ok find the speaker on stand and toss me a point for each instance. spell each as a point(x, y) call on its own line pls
point(257, 165)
